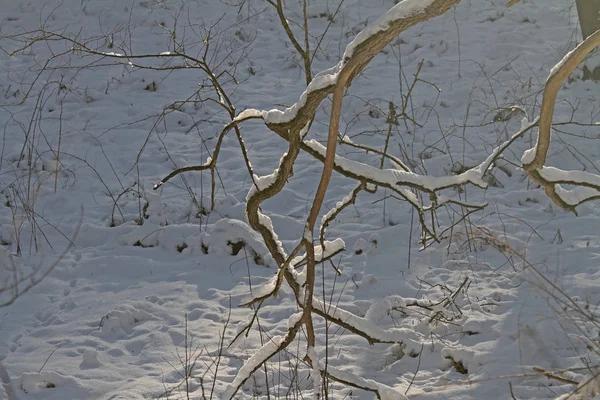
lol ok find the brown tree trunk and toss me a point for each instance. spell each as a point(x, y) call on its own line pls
point(589, 18)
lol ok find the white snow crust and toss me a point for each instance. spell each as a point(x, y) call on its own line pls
point(151, 272)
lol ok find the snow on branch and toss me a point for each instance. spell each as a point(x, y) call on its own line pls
point(262, 355)
point(366, 45)
point(271, 288)
point(265, 188)
point(369, 330)
point(270, 348)
point(292, 124)
point(588, 185)
point(581, 178)
point(383, 392)
point(339, 207)
point(576, 196)
point(397, 178)
point(534, 159)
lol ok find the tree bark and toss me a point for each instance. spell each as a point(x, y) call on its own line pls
point(589, 19)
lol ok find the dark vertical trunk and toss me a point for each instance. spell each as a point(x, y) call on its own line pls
point(589, 19)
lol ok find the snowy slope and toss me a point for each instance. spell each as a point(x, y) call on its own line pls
point(110, 321)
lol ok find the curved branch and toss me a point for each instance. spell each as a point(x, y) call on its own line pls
point(361, 51)
point(536, 157)
point(268, 350)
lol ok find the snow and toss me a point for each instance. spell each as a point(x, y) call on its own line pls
point(249, 366)
point(317, 380)
point(553, 174)
point(525, 126)
point(360, 246)
point(294, 319)
point(577, 195)
point(152, 272)
point(90, 360)
point(363, 324)
point(262, 290)
point(385, 392)
point(589, 386)
point(50, 385)
point(335, 209)
point(404, 9)
point(554, 70)
point(307, 235)
point(396, 177)
point(262, 182)
point(331, 247)
point(320, 81)
point(249, 113)
point(224, 232)
point(529, 155)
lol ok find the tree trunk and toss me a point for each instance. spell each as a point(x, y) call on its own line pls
point(589, 19)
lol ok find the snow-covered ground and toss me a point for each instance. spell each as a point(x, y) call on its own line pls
point(153, 273)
